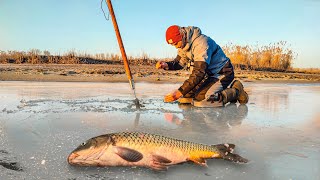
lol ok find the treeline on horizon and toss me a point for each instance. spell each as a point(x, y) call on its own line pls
point(274, 57)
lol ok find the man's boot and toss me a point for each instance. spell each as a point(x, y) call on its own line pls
point(243, 97)
point(218, 99)
point(229, 95)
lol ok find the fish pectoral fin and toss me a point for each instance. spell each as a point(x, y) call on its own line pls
point(198, 160)
point(128, 154)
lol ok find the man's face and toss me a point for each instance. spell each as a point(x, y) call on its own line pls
point(177, 44)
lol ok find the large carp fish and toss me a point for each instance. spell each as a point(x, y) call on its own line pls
point(148, 150)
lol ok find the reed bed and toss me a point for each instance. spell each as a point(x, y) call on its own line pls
point(36, 56)
point(274, 57)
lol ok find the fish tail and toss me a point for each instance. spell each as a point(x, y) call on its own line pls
point(226, 153)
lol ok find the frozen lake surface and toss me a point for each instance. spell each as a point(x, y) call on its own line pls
point(42, 122)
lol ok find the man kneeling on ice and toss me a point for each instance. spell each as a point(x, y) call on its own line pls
point(212, 71)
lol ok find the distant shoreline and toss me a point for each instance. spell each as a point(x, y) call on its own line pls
point(141, 73)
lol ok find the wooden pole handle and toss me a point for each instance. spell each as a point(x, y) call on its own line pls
point(123, 52)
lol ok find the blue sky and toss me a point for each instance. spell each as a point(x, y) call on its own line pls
point(63, 25)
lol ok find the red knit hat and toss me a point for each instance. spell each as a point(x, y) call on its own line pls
point(173, 34)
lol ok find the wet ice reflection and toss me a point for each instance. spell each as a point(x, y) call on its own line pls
point(41, 122)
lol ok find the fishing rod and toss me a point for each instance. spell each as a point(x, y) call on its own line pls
point(123, 52)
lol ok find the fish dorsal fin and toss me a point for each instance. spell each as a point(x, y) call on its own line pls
point(198, 160)
point(128, 154)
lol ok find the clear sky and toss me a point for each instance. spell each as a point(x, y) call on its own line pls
point(63, 25)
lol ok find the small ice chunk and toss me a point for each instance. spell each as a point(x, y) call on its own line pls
point(43, 162)
point(229, 126)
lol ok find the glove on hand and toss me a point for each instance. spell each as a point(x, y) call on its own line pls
point(161, 65)
point(172, 96)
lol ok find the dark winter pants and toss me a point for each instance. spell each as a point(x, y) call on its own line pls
point(211, 85)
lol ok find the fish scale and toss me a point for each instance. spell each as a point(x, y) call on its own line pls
point(151, 139)
point(147, 150)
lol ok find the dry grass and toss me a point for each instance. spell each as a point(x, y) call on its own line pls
point(35, 56)
point(275, 57)
point(307, 70)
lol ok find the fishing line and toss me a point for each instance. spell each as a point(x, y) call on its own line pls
point(104, 14)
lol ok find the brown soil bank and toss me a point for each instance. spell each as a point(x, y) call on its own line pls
point(116, 73)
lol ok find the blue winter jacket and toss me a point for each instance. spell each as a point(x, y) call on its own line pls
point(203, 54)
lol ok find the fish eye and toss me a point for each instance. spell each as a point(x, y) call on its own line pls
point(83, 144)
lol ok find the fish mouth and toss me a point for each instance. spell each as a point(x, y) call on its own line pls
point(72, 157)
point(90, 160)
point(74, 160)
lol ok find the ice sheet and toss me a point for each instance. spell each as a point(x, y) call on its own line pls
point(42, 122)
